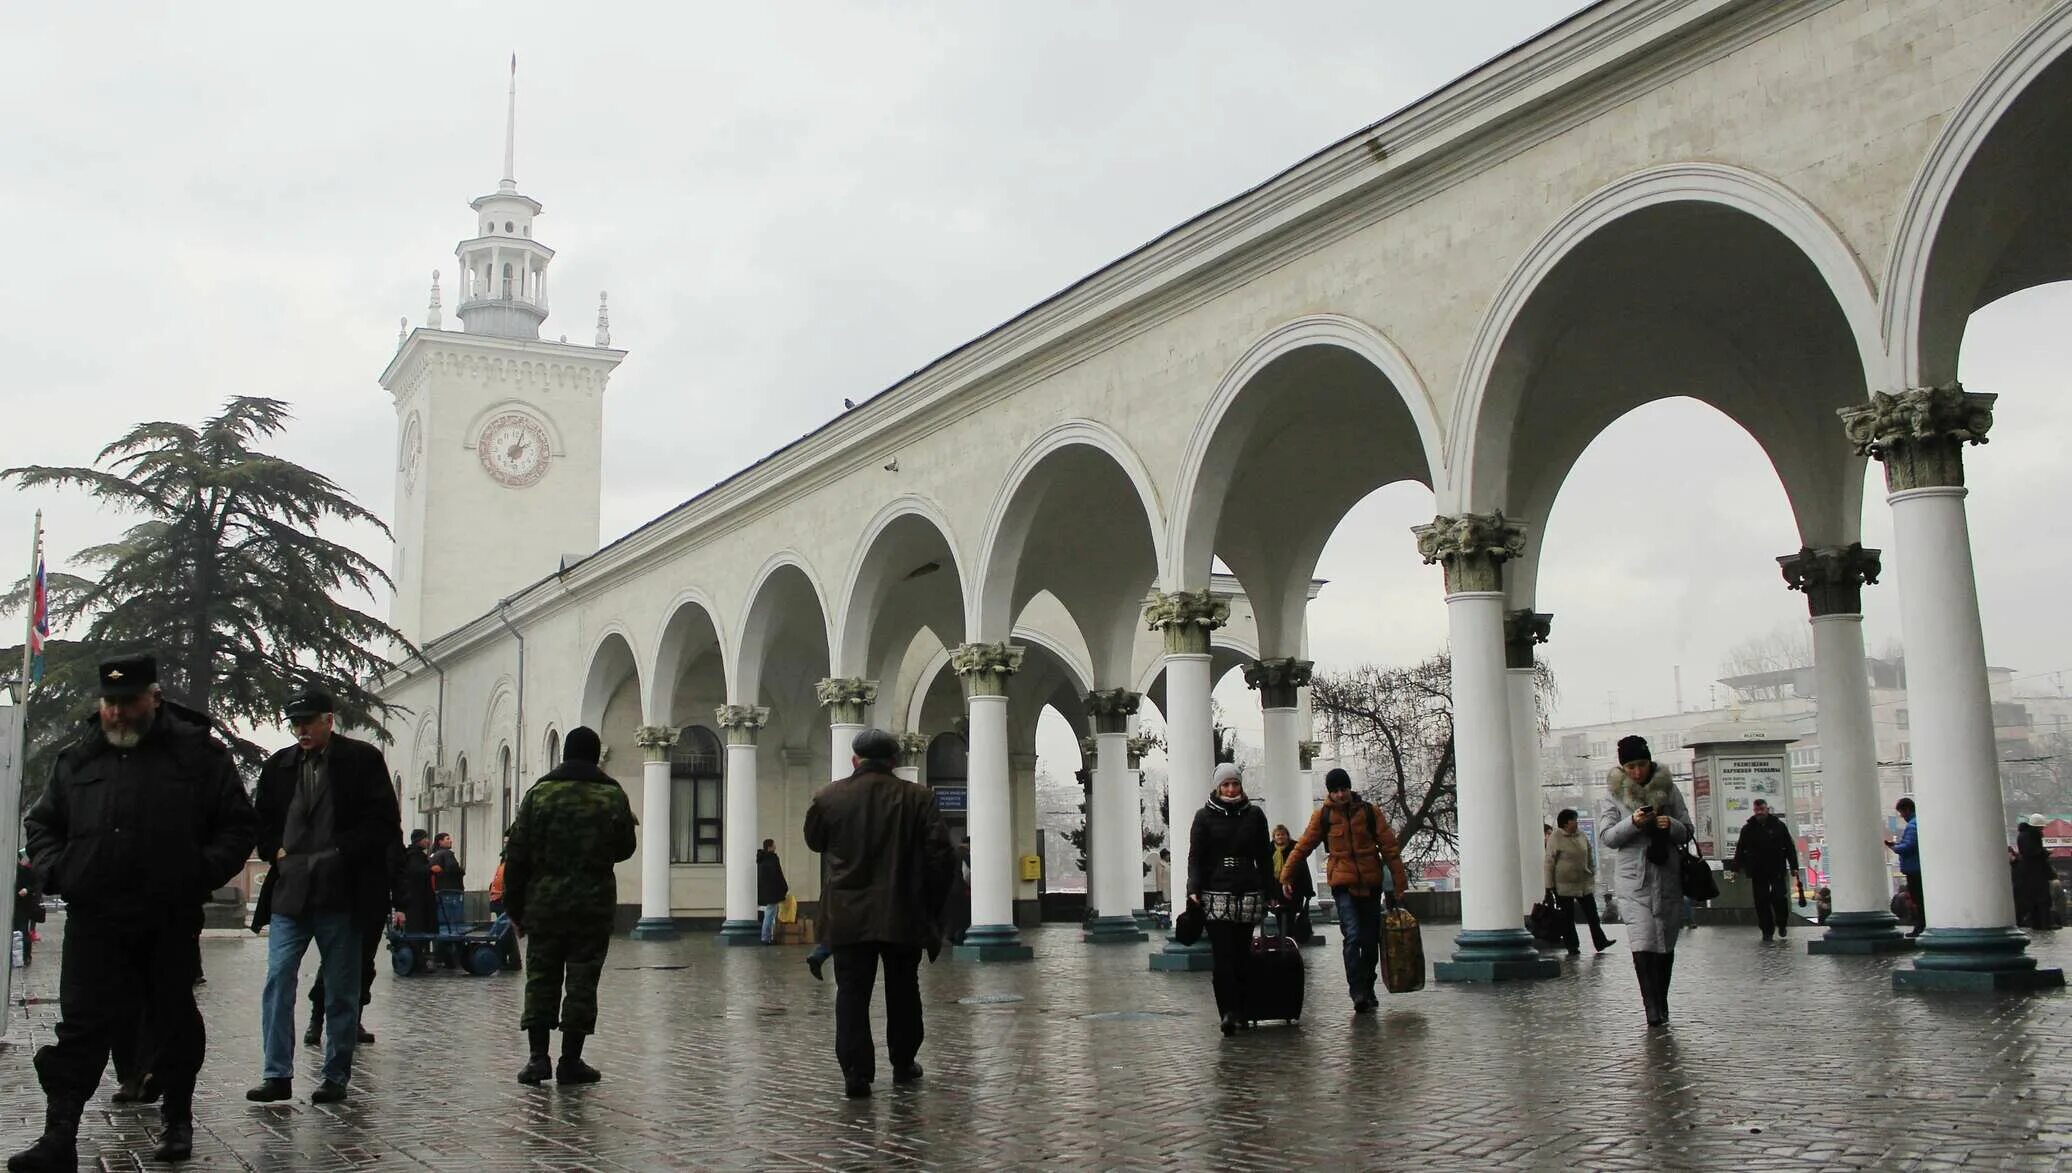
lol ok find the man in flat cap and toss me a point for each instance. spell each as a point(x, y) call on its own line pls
point(330, 826)
point(144, 815)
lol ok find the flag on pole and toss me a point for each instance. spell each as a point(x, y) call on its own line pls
point(39, 614)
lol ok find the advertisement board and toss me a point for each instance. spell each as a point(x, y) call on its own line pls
point(1701, 806)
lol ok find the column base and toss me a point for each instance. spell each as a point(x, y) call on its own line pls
point(655, 928)
point(1173, 957)
point(1495, 955)
point(992, 943)
point(1975, 961)
point(738, 932)
point(1145, 918)
point(1862, 934)
point(1113, 930)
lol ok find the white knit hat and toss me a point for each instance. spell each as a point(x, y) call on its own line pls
point(1228, 771)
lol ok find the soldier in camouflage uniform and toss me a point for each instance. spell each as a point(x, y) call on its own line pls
point(559, 890)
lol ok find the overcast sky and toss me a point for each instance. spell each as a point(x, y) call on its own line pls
point(792, 204)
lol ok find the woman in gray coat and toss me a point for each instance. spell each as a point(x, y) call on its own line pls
point(1642, 824)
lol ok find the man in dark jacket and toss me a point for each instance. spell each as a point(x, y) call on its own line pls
point(327, 820)
point(144, 815)
point(28, 906)
point(1766, 854)
point(574, 826)
point(770, 887)
point(417, 905)
point(889, 870)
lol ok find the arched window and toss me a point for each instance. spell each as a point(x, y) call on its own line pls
point(460, 837)
point(399, 788)
point(507, 227)
point(507, 281)
point(553, 748)
point(503, 770)
point(697, 794)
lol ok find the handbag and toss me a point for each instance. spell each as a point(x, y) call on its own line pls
point(1699, 883)
point(1187, 927)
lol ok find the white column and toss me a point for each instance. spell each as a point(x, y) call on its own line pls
point(989, 818)
point(1522, 708)
point(1190, 756)
point(1117, 822)
point(1493, 944)
point(1855, 855)
point(1963, 831)
point(740, 724)
point(656, 920)
point(841, 740)
point(846, 699)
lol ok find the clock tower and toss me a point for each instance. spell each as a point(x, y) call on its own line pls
point(499, 433)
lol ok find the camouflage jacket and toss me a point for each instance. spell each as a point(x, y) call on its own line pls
point(574, 824)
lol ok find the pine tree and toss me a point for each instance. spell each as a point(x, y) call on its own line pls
point(224, 577)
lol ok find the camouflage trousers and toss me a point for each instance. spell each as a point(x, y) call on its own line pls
point(547, 956)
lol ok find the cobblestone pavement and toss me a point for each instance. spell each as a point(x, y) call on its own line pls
point(722, 1058)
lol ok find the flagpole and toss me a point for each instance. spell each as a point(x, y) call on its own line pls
point(11, 785)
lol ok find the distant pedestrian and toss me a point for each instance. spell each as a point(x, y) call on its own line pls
point(1364, 870)
point(1229, 876)
point(958, 921)
point(1908, 848)
point(889, 868)
point(28, 906)
point(417, 904)
point(507, 950)
point(2032, 877)
point(1291, 908)
point(143, 816)
point(1642, 822)
point(770, 887)
point(1767, 854)
point(1824, 903)
point(1570, 873)
point(572, 829)
point(1162, 877)
point(327, 823)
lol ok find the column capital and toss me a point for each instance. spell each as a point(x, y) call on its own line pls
point(1186, 618)
point(984, 668)
point(1089, 750)
point(1277, 679)
point(1307, 753)
point(741, 723)
point(845, 698)
point(1524, 630)
point(1833, 577)
point(1111, 709)
point(1472, 548)
point(654, 742)
point(1140, 744)
point(1919, 435)
point(913, 747)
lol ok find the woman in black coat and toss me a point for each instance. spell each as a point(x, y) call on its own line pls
point(2032, 876)
point(28, 906)
point(1229, 861)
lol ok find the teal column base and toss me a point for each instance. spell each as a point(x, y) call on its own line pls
point(1975, 961)
point(740, 932)
point(654, 928)
point(1862, 934)
point(1145, 918)
point(1113, 930)
point(1495, 955)
point(992, 943)
point(1174, 957)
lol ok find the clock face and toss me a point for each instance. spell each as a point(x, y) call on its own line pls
point(513, 448)
point(411, 455)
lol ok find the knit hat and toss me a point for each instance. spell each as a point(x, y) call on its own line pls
point(1228, 771)
point(2036, 821)
point(582, 745)
point(1634, 748)
point(1338, 779)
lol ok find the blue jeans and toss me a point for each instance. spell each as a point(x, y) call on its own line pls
point(338, 953)
point(769, 923)
point(1359, 918)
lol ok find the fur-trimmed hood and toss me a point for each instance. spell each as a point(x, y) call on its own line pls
point(1655, 792)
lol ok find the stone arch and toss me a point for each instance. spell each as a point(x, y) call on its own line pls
point(612, 661)
point(1316, 415)
point(785, 586)
point(498, 713)
point(906, 573)
point(690, 628)
point(1643, 292)
point(1987, 215)
point(1075, 473)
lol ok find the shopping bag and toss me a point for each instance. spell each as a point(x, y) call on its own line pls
point(787, 909)
point(1402, 953)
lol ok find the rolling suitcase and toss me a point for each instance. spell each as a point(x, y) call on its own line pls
point(1273, 977)
point(1402, 952)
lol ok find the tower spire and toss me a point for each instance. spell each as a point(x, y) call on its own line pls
point(431, 317)
point(604, 320)
point(510, 180)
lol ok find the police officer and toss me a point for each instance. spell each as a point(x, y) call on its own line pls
point(143, 816)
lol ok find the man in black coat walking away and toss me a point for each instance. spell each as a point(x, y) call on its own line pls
point(1766, 854)
point(327, 821)
point(770, 887)
point(889, 870)
point(144, 815)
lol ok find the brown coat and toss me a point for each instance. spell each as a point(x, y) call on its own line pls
point(1359, 841)
point(888, 858)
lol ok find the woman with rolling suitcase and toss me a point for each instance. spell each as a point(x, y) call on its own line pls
point(1228, 861)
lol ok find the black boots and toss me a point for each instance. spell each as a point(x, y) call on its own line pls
point(57, 1150)
point(572, 1069)
point(539, 1068)
point(1653, 970)
point(176, 1141)
point(315, 1033)
point(271, 1091)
